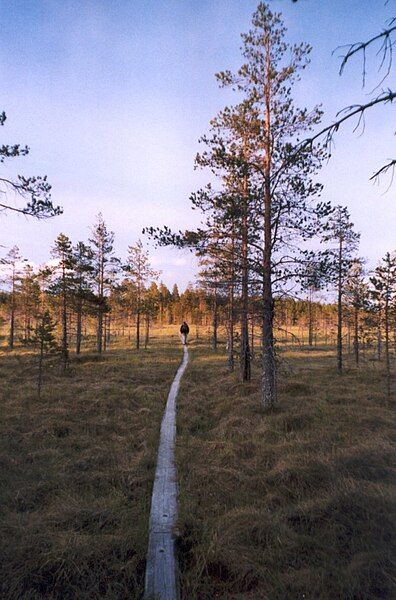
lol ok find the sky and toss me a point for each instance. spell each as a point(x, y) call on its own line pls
point(112, 97)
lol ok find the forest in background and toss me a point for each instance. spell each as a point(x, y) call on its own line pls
point(89, 299)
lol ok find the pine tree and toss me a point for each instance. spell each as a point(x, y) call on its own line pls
point(266, 78)
point(255, 149)
point(210, 281)
point(36, 191)
point(188, 300)
point(14, 265)
point(105, 267)
point(63, 286)
point(314, 276)
point(164, 301)
point(83, 288)
point(139, 273)
point(29, 300)
point(174, 312)
point(150, 307)
point(44, 340)
point(356, 292)
point(384, 292)
point(230, 222)
point(339, 230)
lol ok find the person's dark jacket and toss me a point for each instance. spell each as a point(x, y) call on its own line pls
point(184, 328)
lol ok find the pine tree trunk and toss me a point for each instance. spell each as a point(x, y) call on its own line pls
point(12, 328)
point(65, 351)
point(99, 331)
point(214, 319)
point(79, 327)
point(268, 354)
point(245, 349)
point(394, 336)
point(387, 354)
point(268, 359)
point(252, 339)
point(379, 337)
point(231, 319)
point(310, 321)
point(147, 331)
point(356, 336)
point(108, 331)
point(339, 310)
point(40, 369)
point(12, 316)
point(138, 329)
point(104, 332)
point(349, 335)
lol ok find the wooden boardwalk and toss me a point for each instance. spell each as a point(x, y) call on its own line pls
point(161, 568)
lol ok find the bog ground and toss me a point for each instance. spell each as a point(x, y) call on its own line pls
point(76, 472)
point(295, 503)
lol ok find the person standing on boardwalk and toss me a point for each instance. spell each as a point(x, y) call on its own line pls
point(184, 330)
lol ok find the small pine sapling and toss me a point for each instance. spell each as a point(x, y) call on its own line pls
point(44, 340)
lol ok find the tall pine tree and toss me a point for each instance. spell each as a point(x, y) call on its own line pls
point(63, 287)
point(339, 232)
point(105, 266)
point(139, 273)
point(384, 292)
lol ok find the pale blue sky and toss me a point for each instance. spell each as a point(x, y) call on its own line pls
point(111, 97)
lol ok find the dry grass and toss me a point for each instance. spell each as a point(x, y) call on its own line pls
point(294, 504)
point(76, 472)
point(289, 505)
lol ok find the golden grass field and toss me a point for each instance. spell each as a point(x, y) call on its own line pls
point(297, 503)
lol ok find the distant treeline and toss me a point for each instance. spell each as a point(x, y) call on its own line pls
point(91, 296)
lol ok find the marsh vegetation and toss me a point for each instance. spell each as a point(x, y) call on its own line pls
point(272, 505)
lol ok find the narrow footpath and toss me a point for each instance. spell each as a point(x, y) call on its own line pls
point(161, 568)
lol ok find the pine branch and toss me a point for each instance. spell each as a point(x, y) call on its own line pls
point(389, 166)
point(386, 49)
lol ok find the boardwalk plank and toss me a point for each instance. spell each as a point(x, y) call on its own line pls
point(161, 568)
